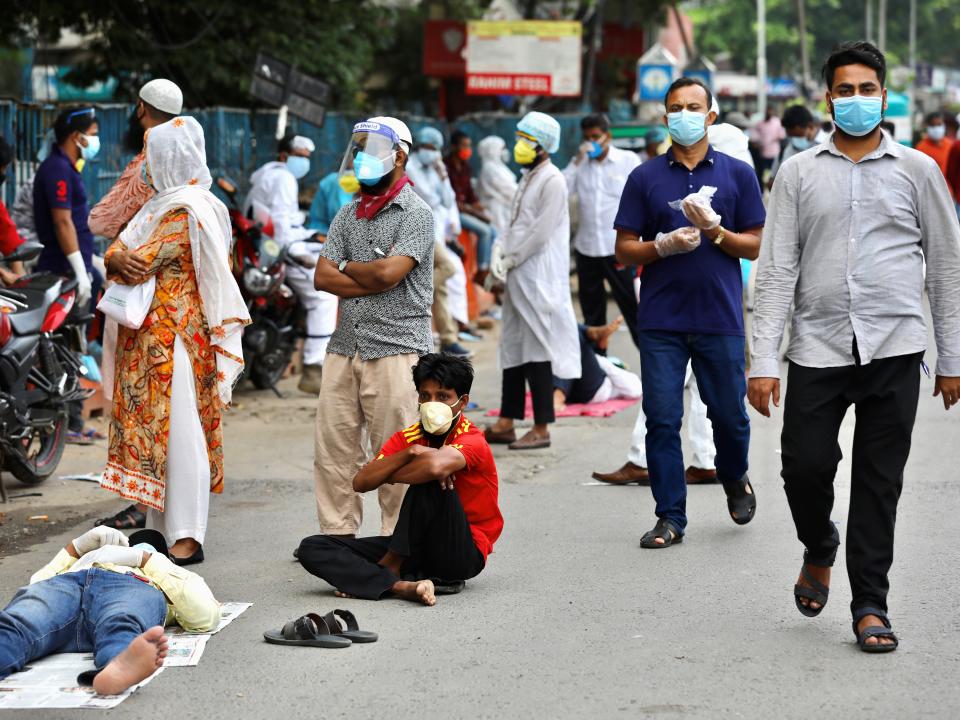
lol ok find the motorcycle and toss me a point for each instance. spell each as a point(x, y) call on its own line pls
point(259, 264)
point(40, 369)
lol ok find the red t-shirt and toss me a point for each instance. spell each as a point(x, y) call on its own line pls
point(10, 240)
point(477, 484)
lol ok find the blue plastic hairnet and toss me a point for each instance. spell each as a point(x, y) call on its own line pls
point(430, 136)
point(544, 128)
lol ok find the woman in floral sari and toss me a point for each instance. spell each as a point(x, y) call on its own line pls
point(175, 374)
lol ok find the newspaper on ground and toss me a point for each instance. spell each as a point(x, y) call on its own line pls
point(52, 681)
point(185, 649)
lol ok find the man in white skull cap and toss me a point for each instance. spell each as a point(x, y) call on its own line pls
point(539, 340)
point(160, 100)
point(275, 187)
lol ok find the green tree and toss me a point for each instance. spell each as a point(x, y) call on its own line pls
point(730, 27)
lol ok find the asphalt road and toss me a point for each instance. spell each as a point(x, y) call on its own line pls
point(571, 618)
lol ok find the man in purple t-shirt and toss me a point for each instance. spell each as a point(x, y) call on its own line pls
point(691, 301)
point(60, 201)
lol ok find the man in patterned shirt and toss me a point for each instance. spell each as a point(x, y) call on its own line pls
point(160, 100)
point(378, 259)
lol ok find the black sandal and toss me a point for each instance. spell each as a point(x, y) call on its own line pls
point(309, 631)
point(741, 504)
point(815, 591)
point(664, 530)
point(877, 631)
point(349, 628)
point(129, 518)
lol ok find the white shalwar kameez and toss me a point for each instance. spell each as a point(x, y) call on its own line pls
point(538, 320)
point(275, 188)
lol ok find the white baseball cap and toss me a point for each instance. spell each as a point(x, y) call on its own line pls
point(164, 95)
point(399, 127)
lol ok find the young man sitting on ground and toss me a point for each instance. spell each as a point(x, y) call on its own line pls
point(99, 595)
point(449, 519)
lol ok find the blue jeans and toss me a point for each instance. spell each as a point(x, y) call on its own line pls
point(718, 363)
point(485, 237)
point(92, 610)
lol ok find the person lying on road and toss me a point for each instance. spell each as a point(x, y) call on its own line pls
point(102, 596)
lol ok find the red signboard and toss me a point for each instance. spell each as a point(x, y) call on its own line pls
point(443, 43)
point(502, 84)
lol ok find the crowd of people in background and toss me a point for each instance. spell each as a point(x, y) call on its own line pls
point(398, 237)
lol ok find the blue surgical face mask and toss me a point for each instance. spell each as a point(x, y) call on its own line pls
point(428, 157)
point(369, 168)
point(858, 115)
point(595, 151)
point(686, 127)
point(298, 165)
point(89, 151)
point(801, 143)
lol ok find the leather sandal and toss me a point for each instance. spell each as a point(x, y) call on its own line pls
point(814, 590)
point(530, 442)
point(880, 632)
point(500, 437)
point(741, 500)
point(665, 530)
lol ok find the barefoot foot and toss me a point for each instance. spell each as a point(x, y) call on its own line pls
point(138, 662)
point(421, 591)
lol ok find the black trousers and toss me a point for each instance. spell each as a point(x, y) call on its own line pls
point(591, 377)
point(591, 274)
point(432, 533)
point(885, 394)
point(513, 392)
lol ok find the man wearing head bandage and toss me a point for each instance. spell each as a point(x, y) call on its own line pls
point(539, 340)
point(428, 174)
point(378, 258)
point(275, 187)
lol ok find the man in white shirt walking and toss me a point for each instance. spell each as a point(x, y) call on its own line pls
point(597, 176)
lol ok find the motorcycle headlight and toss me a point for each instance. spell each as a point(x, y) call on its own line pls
point(256, 281)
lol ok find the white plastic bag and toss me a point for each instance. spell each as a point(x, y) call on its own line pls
point(128, 304)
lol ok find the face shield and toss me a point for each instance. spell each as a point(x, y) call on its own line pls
point(371, 153)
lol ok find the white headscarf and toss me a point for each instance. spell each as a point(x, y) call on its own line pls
point(176, 161)
point(496, 185)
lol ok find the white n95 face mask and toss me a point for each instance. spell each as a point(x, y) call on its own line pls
point(437, 417)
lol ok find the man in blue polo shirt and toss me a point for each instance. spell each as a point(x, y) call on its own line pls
point(60, 200)
point(691, 301)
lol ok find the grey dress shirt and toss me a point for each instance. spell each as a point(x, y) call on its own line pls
point(846, 242)
point(396, 321)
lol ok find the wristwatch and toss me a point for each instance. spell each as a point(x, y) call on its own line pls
point(719, 238)
point(343, 265)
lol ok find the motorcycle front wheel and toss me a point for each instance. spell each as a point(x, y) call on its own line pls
point(41, 454)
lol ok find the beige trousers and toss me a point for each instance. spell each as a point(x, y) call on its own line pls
point(362, 403)
point(443, 270)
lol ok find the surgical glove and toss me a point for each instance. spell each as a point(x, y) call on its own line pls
point(500, 263)
point(112, 555)
point(97, 538)
point(83, 279)
point(697, 209)
point(681, 240)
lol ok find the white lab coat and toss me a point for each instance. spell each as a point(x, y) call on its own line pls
point(538, 320)
point(275, 187)
point(497, 185)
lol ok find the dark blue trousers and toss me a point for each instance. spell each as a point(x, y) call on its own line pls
point(719, 365)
